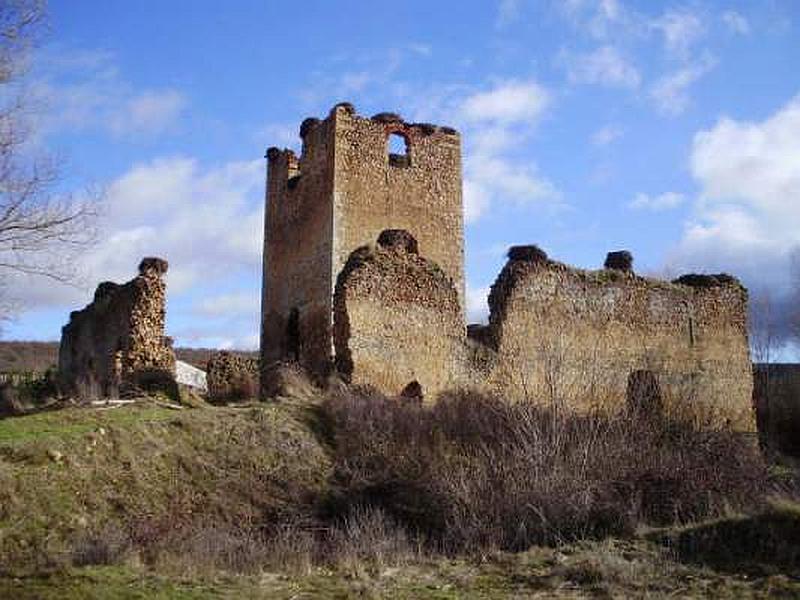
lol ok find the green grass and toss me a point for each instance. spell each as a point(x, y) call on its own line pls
point(613, 568)
point(71, 473)
point(71, 422)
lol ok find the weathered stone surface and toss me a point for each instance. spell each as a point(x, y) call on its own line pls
point(397, 320)
point(530, 253)
point(231, 377)
point(118, 340)
point(348, 191)
point(574, 337)
point(363, 264)
point(398, 239)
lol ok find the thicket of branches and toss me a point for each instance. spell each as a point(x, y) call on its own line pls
point(40, 229)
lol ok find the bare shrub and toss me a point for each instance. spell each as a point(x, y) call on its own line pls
point(215, 547)
point(106, 546)
point(475, 472)
point(367, 540)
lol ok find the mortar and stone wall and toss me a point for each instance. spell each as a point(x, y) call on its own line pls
point(118, 339)
point(231, 377)
point(397, 319)
point(574, 337)
point(345, 189)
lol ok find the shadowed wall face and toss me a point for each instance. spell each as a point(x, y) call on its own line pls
point(118, 339)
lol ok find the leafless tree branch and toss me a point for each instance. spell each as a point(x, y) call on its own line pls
point(41, 231)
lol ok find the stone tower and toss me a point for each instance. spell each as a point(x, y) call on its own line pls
point(345, 188)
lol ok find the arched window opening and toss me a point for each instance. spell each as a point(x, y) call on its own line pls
point(397, 147)
point(412, 392)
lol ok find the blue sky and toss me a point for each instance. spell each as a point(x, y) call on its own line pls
point(671, 129)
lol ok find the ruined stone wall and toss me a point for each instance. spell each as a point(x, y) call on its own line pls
point(231, 377)
point(119, 337)
point(397, 320)
point(420, 193)
point(573, 338)
point(564, 337)
point(391, 317)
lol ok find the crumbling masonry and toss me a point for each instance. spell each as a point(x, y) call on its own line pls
point(363, 274)
point(118, 340)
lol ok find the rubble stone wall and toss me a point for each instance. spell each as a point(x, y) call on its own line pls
point(574, 337)
point(565, 337)
point(231, 377)
point(392, 314)
point(397, 320)
point(420, 193)
point(119, 337)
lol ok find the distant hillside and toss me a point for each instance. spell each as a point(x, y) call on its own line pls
point(21, 356)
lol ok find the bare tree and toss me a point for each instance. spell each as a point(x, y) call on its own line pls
point(794, 316)
point(40, 229)
point(763, 327)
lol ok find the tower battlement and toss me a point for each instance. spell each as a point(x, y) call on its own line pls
point(347, 186)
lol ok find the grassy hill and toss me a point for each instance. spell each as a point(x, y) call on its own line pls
point(349, 495)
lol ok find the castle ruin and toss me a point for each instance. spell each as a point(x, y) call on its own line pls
point(118, 341)
point(343, 190)
point(364, 275)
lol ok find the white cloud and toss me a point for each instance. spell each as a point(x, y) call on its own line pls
point(477, 199)
point(509, 102)
point(150, 112)
point(230, 304)
point(606, 135)
point(603, 66)
point(507, 12)
point(671, 92)
point(735, 22)
point(601, 19)
point(477, 304)
point(496, 121)
point(681, 30)
point(421, 49)
point(207, 222)
point(276, 134)
point(665, 201)
point(747, 218)
point(84, 91)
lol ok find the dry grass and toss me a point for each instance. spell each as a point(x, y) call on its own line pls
point(362, 485)
point(473, 472)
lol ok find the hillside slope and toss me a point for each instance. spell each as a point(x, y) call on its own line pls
point(76, 477)
point(143, 501)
